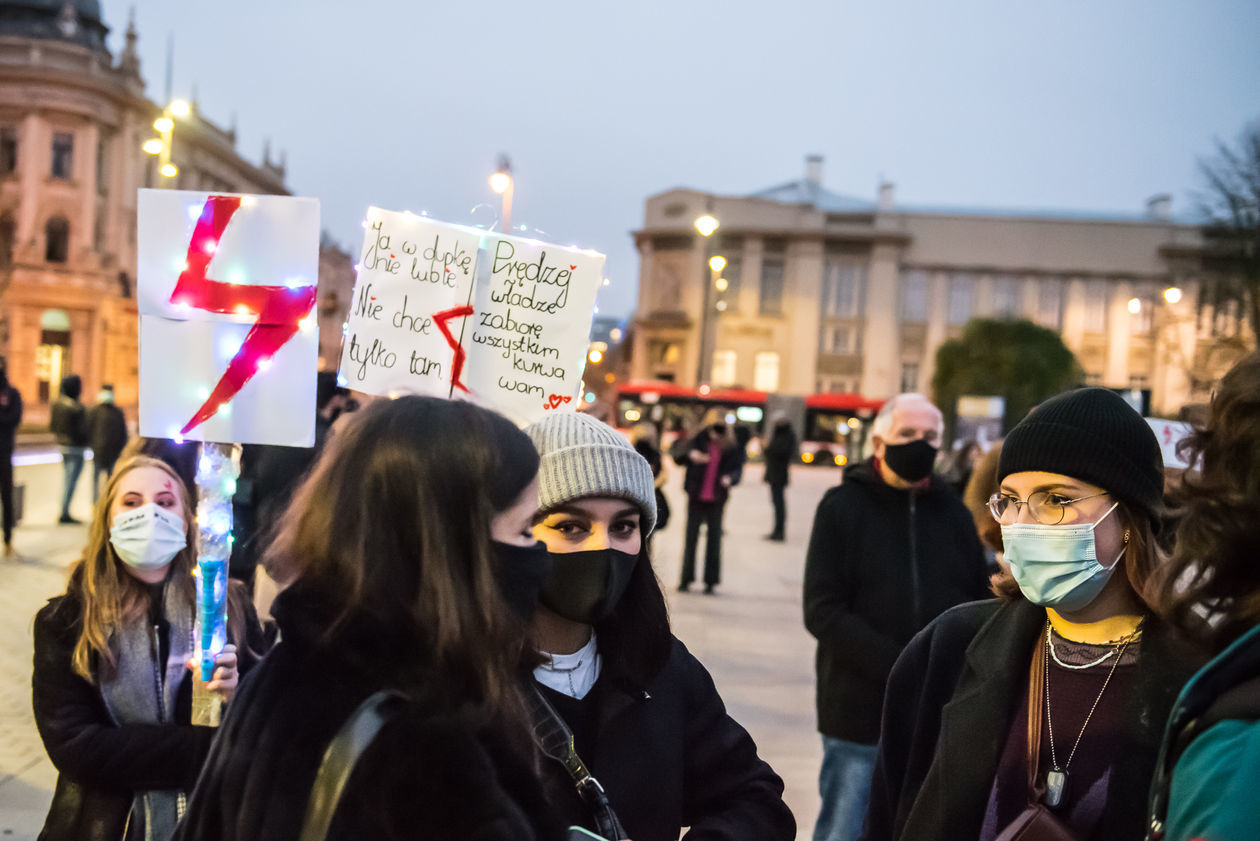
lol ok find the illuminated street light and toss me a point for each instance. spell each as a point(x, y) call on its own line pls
point(169, 170)
point(717, 262)
point(179, 108)
point(504, 184)
point(720, 284)
point(721, 306)
point(1135, 306)
point(500, 181)
point(1172, 294)
point(164, 124)
point(706, 225)
point(596, 356)
point(153, 146)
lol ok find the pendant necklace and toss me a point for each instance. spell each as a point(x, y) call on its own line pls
point(1056, 778)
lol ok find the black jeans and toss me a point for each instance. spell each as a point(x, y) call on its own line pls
point(780, 508)
point(710, 515)
point(6, 492)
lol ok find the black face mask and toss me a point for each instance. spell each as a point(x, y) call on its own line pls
point(719, 429)
point(912, 461)
point(520, 571)
point(586, 586)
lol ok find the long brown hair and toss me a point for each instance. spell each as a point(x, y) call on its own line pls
point(1211, 586)
point(393, 523)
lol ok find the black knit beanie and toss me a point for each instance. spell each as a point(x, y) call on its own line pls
point(1093, 435)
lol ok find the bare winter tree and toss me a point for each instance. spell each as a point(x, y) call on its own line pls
point(1231, 205)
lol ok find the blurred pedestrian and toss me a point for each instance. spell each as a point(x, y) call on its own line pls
point(69, 424)
point(1211, 589)
point(10, 420)
point(892, 547)
point(961, 466)
point(107, 435)
point(713, 459)
point(411, 569)
point(1039, 714)
point(779, 453)
point(644, 438)
point(112, 687)
point(645, 717)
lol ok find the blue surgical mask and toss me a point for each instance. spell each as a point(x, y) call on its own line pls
point(1057, 566)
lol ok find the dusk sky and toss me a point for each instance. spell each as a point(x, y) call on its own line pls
point(407, 105)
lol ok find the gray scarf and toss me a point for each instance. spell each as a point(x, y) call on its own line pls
point(132, 694)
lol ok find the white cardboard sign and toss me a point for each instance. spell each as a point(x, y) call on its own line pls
point(228, 340)
point(1169, 433)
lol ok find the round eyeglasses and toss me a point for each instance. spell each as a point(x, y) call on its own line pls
point(1047, 507)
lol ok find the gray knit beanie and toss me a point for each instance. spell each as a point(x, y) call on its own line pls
point(582, 456)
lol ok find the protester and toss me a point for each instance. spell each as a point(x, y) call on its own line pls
point(644, 437)
point(112, 687)
point(647, 720)
point(980, 489)
point(107, 435)
point(962, 465)
point(1041, 712)
point(891, 548)
point(779, 453)
point(1211, 589)
point(712, 459)
point(10, 420)
point(416, 571)
point(68, 423)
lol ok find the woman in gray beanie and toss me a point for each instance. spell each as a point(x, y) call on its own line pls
point(1041, 712)
point(646, 718)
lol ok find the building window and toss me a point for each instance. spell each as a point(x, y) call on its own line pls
point(909, 377)
point(723, 374)
point(843, 290)
point(959, 298)
point(1006, 302)
point(56, 240)
point(1096, 306)
point(8, 229)
point(1050, 303)
point(102, 165)
point(8, 150)
point(914, 295)
point(840, 340)
point(773, 267)
point(63, 155)
point(1093, 379)
point(766, 371)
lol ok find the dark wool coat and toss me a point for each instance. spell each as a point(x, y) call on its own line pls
point(107, 432)
point(729, 464)
point(881, 564)
point(779, 454)
point(951, 701)
point(101, 764)
point(429, 773)
point(669, 756)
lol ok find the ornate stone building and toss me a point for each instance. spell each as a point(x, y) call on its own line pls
point(826, 293)
point(73, 119)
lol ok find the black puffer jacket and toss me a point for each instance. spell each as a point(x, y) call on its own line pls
point(669, 756)
point(430, 773)
point(101, 764)
point(881, 564)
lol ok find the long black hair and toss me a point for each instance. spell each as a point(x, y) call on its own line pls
point(635, 639)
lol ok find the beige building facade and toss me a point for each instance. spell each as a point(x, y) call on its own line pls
point(72, 123)
point(827, 293)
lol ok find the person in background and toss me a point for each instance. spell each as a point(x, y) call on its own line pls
point(107, 435)
point(980, 489)
point(892, 547)
point(1039, 714)
point(963, 464)
point(779, 452)
point(68, 423)
point(644, 438)
point(112, 684)
point(10, 420)
point(646, 718)
point(713, 459)
point(1210, 588)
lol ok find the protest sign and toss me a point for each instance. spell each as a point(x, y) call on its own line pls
point(228, 341)
point(1169, 433)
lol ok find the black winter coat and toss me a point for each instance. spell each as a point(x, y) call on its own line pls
point(951, 700)
point(101, 764)
point(779, 454)
point(881, 564)
point(669, 756)
point(10, 415)
point(68, 422)
point(730, 464)
point(430, 772)
point(107, 432)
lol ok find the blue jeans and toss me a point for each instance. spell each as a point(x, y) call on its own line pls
point(72, 460)
point(845, 785)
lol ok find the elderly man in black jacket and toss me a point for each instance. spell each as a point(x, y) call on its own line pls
point(892, 547)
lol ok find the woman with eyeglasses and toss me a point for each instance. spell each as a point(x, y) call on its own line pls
point(1041, 712)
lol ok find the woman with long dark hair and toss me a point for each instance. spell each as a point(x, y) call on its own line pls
point(646, 720)
point(411, 569)
point(1041, 712)
point(1211, 589)
point(112, 686)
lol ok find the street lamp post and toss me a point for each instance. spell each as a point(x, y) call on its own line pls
point(161, 145)
point(504, 184)
point(705, 226)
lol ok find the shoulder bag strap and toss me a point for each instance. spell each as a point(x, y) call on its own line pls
point(1036, 700)
point(340, 758)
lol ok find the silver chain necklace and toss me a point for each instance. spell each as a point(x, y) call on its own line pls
point(1056, 779)
point(551, 666)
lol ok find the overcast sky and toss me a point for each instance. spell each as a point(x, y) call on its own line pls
point(406, 105)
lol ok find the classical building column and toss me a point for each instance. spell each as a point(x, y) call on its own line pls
point(1119, 332)
point(881, 346)
point(802, 306)
point(937, 330)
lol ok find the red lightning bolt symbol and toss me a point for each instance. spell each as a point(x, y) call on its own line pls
point(440, 319)
point(279, 308)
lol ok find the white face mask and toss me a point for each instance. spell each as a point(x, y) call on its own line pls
point(1057, 566)
point(147, 537)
